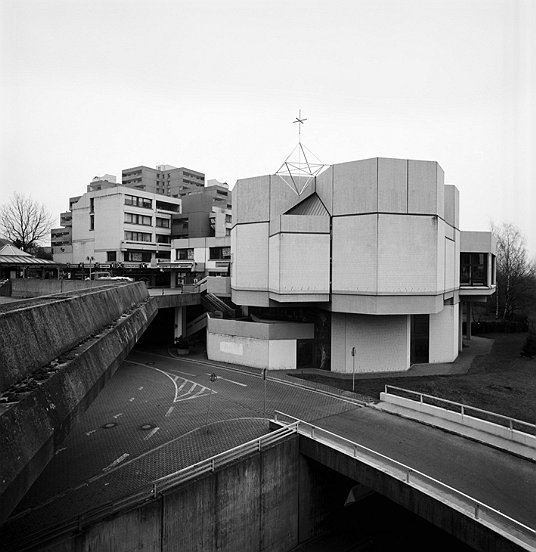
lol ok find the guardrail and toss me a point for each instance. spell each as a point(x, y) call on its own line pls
point(155, 489)
point(463, 409)
point(514, 530)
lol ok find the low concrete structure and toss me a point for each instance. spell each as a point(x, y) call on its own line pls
point(267, 344)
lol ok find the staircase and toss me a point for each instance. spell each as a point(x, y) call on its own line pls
point(196, 325)
point(215, 304)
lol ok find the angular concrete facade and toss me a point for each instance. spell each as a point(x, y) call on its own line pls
point(376, 242)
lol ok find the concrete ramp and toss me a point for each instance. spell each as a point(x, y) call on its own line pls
point(56, 353)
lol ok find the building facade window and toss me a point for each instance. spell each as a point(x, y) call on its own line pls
point(162, 222)
point(111, 256)
point(185, 254)
point(92, 222)
point(220, 253)
point(138, 256)
point(136, 201)
point(134, 218)
point(92, 205)
point(161, 238)
point(138, 236)
point(473, 269)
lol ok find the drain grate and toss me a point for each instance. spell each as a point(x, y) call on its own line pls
point(109, 425)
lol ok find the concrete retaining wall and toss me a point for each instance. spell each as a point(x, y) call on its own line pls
point(36, 287)
point(465, 420)
point(271, 501)
point(32, 336)
point(32, 429)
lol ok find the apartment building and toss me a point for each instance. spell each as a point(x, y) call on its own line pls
point(164, 179)
point(112, 224)
point(358, 272)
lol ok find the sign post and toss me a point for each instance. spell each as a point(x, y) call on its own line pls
point(264, 378)
point(353, 369)
point(213, 378)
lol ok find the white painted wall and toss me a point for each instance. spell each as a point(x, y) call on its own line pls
point(381, 342)
point(444, 334)
point(249, 351)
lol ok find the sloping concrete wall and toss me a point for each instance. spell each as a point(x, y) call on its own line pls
point(41, 414)
point(32, 336)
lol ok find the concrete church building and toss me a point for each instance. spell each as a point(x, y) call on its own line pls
point(365, 260)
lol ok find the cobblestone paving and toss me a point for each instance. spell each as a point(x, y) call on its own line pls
point(149, 421)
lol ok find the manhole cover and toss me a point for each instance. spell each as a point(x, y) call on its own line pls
point(109, 425)
point(146, 427)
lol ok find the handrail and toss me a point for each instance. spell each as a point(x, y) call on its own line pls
point(157, 487)
point(488, 516)
point(464, 408)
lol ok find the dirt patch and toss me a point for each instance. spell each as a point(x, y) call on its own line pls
point(501, 381)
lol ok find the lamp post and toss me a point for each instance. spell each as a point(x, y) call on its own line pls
point(90, 259)
point(353, 369)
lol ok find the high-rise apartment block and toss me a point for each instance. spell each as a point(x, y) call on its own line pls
point(164, 179)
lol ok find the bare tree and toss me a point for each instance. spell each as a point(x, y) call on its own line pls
point(515, 274)
point(24, 221)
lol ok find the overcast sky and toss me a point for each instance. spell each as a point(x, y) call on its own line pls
point(93, 87)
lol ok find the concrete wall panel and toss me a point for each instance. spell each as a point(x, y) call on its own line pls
point(381, 343)
point(423, 188)
point(387, 304)
point(251, 200)
point(355, 188)
point(355, 254)
point(283, 198)
point(392, 185)
point(274, 269)
point(282, 354)
point(251, 256)
point(407, 256)
point(304, 263)
point(324, 188)
point(444, 334)
point(450, 264)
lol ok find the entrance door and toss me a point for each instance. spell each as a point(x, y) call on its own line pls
point(420, 338)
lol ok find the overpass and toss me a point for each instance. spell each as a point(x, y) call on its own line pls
point(411, 492)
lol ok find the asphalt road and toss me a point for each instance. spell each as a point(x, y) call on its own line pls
point(153, 418)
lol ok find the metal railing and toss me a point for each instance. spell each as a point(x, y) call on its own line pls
point(514, 530)
point(154, 490)
point(463, 409)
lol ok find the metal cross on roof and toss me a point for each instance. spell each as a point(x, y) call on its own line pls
point(297, 173)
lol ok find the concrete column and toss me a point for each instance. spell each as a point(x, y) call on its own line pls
point(468, 317)
point(180, 322)
point(173, 279)
point(488, 275)
point(460, 327)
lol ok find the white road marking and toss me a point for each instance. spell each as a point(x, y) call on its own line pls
point(117, 415)
point(170, 410)
point(151, 433)
point(174, 378)
point(116, 461)
point(140, 388)
point(131, 399)
point(60, 450)
point(90, 432)
point(231, 381)
point(181, 372)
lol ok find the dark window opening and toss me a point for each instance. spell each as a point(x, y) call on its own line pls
point(420, 338)
point(473, 269)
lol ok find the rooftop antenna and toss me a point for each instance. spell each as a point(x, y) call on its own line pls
point(295, 172)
